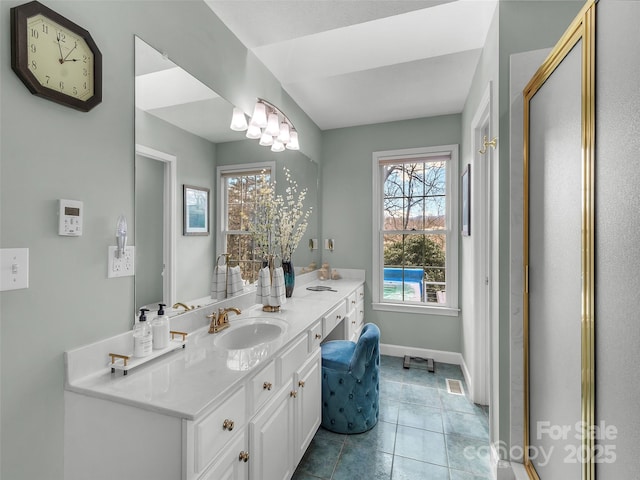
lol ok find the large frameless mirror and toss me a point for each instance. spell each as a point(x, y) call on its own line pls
point(182, 135)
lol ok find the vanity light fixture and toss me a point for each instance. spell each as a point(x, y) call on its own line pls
point(238, 121)
point(268, 124)
point(121, 235)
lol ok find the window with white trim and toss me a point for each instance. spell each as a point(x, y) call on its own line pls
point(415, 229)
point(238, 185)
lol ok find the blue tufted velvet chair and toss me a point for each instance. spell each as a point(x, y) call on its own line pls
point(350, 385)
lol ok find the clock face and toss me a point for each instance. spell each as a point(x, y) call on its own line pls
point(59, 59)
point(55, 58)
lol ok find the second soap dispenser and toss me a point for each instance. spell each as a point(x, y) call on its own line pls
point(160, 329)
point(142, 342)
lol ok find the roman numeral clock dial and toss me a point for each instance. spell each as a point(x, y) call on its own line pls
point(55, 58)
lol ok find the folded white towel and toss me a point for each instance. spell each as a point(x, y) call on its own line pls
point(234, 281)
point(278, 292)
point(218, 282)
point(263, 286)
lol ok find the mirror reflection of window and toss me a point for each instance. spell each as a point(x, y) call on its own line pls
point(239, 187)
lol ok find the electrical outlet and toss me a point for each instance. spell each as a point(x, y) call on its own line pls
point(123, 266)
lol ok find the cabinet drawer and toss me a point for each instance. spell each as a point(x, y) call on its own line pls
point(231, 464)
point(291, 360)
point(333, 318)
point(263, 386)
point(359, 314)
point(218, 428)
point(360, 294)
point(315, 336)
point(352, 301)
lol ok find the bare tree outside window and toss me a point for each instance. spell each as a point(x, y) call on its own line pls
point(414, 241)
point(241, 191)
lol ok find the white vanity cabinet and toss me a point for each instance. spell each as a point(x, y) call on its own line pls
point(355, 315)
point(281, 432)
point(208, 438)
point(271, 438)
point(232, 463)
point(308, 403)
point(333, 318)
point(191, 416)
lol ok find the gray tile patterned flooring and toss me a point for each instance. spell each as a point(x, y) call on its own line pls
point(423, 432)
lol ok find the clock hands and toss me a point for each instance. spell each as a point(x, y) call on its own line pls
point(66, 57)
point(61, 60)
point(74, 47)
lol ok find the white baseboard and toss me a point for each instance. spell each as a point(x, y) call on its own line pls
point(437, 355)
point(519, 471)
point(502, 469)
point(467, 376)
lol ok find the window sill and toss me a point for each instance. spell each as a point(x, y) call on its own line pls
point(421, 309)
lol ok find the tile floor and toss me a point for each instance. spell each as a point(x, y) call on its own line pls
point(423, 432)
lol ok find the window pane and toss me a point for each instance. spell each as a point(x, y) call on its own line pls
point(414, 196)
point(241, 189)
point(234, 216)
point(414, 268)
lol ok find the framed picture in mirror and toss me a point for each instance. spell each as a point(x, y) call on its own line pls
point(196, 210)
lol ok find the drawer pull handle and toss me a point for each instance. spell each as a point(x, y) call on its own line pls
point(318, 336)
point(293, 394)
point(227, 424)
point(339, 317)
point(267, 386)
point(301, 383)
point(353, 321)
point(353, 302)
point(243, 457)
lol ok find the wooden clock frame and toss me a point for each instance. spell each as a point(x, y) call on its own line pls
point(19, 56)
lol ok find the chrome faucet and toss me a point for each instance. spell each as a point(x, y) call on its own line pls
point(221, 321)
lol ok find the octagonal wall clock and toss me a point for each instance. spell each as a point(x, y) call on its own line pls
point(55, 58)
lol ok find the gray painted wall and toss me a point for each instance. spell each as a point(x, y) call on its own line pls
point(149, 222)
point(485, 77)
point(195, 165)
point(524, 25)
point(347, 216)
point(617, 227)
point(70, 301)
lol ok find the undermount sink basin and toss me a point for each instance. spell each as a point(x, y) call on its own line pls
point(250, 334)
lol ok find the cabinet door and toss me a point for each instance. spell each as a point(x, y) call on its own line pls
point(271, 438)
point(232, 464)
point(308, 404)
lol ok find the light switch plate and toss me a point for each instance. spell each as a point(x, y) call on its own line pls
point(14, 268)
point(123, 266)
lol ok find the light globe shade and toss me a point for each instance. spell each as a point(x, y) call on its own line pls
point(277, 146)
point(238, 120)
point(254, 132)
point(273, 128)
point(284, 136)
point(266, 140)
point(259, 117)
point(293, 143)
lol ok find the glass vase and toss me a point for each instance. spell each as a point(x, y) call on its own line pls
point(289, 277)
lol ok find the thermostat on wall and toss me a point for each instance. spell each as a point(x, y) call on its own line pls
point(70, 214)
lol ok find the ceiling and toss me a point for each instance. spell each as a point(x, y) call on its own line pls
point(358, 62)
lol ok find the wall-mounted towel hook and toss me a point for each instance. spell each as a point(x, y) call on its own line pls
point(486, 143)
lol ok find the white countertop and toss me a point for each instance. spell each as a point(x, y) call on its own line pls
point(184, 383)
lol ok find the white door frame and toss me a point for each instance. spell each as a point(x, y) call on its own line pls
point(170, 218)
point(483, 227)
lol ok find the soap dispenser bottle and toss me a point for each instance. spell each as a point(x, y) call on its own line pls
point(142, 340)
point(160, 329)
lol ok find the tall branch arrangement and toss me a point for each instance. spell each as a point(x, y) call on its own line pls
point(280, 221)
